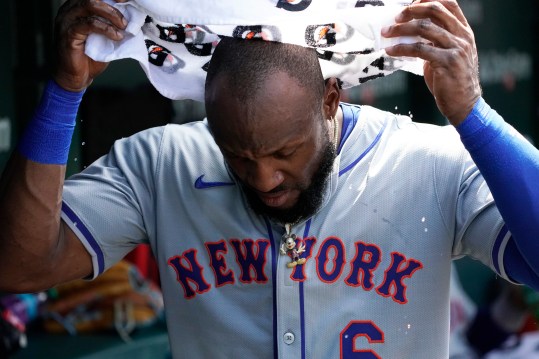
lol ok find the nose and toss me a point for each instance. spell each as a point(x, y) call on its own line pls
point(263, 176)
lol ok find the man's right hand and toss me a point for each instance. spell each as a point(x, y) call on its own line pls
point(76, 19)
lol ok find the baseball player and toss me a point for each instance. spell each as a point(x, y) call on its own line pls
point(378, 205)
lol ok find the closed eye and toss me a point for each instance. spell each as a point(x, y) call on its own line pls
point(281, 155)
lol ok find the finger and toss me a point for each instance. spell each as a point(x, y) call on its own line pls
point(73, 11)
point(434, 11)
point(453, 7)
point(110, 13)
point(88, 25)
point(424, 28)
point(423, 51)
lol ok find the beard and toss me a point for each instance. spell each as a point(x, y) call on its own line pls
point(310, 198)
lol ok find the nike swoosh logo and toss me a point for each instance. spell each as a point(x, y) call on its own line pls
point(201, 184)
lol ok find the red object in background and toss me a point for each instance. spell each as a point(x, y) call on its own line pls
point(531, 325)
point(142, 257)
point(12, 319)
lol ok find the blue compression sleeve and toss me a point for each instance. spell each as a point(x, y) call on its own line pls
point(510, 166)
point(48, 135)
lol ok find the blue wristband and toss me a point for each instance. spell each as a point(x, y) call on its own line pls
point(48, 135)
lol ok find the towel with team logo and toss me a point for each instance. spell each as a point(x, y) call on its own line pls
point(173, 40)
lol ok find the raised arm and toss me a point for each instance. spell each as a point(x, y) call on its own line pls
point(37, 250)
point(509, 163)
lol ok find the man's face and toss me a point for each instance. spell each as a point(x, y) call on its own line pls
point(276, 144)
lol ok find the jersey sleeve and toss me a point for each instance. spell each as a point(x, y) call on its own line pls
point(109, 205)
point(480, 232)
point(510, 166)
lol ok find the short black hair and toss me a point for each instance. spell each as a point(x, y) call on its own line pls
point(247, 63)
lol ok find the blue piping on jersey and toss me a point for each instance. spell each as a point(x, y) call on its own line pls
point(87, 235)
point(496, 248)
point(371, 146)
point(302, 299)
point(274, 286)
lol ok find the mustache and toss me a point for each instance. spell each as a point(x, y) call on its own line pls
point(279, 188)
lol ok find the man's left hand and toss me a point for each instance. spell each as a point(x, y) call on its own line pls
point(451, 66)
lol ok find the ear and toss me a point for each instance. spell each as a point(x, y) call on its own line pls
point(332, 97)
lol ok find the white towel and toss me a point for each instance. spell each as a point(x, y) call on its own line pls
point(173, 39)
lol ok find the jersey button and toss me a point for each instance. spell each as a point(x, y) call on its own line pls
point(289, 338)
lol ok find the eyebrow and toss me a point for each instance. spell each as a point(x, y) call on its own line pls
point(288, 146)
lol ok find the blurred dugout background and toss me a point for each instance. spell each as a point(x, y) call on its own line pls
point(121, 102)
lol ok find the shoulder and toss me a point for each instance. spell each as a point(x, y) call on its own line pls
point(197, 131)
point(194, 139)
point(404, 133)
point(171, 145)
point(171, 137)
point(421, 146)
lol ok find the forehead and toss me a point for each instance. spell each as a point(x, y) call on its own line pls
point(280, 110)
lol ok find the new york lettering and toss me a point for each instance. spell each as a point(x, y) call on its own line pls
point(329, 261)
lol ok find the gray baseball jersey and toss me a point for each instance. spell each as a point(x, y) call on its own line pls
point(404, 199)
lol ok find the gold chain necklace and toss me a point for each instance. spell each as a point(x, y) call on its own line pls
point(335, 123)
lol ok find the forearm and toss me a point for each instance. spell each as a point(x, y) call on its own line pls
point(29, 212)
point(510, 166)
point(31, 193)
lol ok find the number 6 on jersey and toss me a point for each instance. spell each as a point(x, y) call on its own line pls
point(357, 329)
